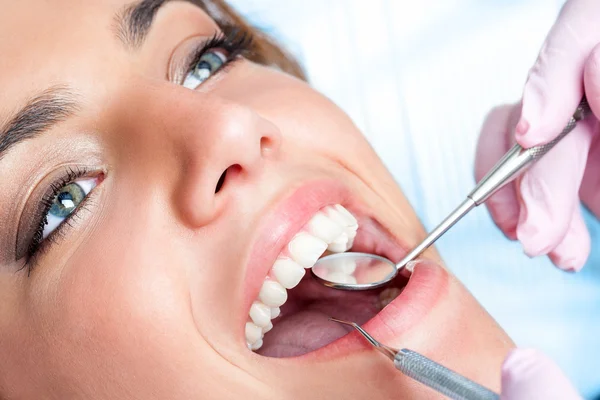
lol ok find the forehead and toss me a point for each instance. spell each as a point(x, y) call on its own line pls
point(38, 39)
point(32, 27)
point(75, 44)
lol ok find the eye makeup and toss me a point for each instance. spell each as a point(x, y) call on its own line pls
point(31, 241)
point(231, 45)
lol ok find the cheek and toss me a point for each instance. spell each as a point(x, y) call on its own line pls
point(112, 309)
point(108, 313)
point(305, 118)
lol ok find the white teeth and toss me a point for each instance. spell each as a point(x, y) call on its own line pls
point(333, 228)
point(306, 249)
point(267, 328)
point(337, 216)
point(348, 267)
point(351, 219)
point(341, 277)
point(321, 226)
point(340, 244)
point(344, 266)
point(253, 333)
point(272, 294)
point(342, 217)
point(257, 345)
point(350, 242)
point(260, 314)
point(351, 232)
point(287, 272)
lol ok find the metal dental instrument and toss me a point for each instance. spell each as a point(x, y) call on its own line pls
point(428, 372)
point(362, 271)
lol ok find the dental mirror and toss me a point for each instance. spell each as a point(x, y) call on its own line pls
point(354, 271)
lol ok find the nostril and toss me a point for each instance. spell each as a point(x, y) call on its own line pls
point(229, 172)
point(221, 182)
point(267, 145)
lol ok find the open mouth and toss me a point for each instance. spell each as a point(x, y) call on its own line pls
point(290, 316)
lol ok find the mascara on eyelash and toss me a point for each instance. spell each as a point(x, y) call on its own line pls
point(36, 243)
point(236, 42)
point(70, 175)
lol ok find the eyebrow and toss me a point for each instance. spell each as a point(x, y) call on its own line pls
point(41, 113)
point(56, 104)
point(134, 22)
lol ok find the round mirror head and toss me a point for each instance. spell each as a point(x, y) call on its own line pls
point(354, 271)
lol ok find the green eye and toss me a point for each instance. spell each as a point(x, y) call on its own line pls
point(67, 200)
point(209, 63)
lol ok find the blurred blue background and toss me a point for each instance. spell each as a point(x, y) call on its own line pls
point(418, 78)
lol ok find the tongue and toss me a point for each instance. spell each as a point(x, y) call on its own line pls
point(308, 328)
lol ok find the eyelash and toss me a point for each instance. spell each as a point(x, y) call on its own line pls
point(235, 42)
point(38, 245)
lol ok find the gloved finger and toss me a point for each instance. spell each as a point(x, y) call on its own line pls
point(591, 79)
point(549, 192)
point(494, 141)
point(554, 86)
point(572, 252)
point(528, 374)
point(590, 187)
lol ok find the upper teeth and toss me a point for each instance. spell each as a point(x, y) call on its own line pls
point(287, 272)
point(333, 228)
point(305, 249)
point(272, 294)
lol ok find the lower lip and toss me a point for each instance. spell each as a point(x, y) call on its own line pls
point(426, 287)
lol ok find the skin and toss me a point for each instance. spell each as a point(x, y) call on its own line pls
point(141, 297)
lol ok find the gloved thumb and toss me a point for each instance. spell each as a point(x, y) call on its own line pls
point(528, 374)
point(591, 80)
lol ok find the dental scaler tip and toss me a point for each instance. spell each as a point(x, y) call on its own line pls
point(428, 372)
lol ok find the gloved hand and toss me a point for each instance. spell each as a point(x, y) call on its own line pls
point(528, 374)
point(541, 209)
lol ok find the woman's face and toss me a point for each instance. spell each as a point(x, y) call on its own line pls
point(143, 206)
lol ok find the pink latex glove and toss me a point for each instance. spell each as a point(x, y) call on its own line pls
point(528, 374)
point(541, 210)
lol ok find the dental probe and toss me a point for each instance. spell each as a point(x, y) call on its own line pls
point(510, 166)
point(428, 372)
point(332, 271)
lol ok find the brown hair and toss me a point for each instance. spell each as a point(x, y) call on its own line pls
point(264, 49)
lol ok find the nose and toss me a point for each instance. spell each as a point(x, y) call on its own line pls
point(223, 152)
point(217, 148)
